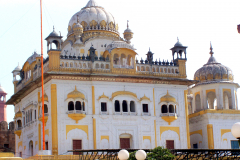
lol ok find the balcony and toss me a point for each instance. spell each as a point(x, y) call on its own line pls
point(45, 118)
point(169, 117)
point(76, 115)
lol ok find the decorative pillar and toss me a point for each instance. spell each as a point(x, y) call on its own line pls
point(187, 120)
point(54, 119)
point(233, 99)
point(210, 136)
point(94, 134)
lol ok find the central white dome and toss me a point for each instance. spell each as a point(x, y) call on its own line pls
point(92, 15)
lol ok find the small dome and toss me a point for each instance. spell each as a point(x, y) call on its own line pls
point(53, 34)
point(213, 71)
point(128, 30)
point(17, 69)
point(93, 15)
point(178, 44)
point(75, 94)
point(32, 58)
point(78, 25)
point(167, 98)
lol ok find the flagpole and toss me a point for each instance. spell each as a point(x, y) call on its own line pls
point(43, 127)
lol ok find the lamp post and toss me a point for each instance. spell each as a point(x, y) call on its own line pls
point(236, 131)
point(123, 154)
point(140, 155)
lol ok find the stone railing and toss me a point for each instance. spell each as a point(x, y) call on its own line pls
point(84, 64)
point(158, 69)
point(168, 114)
point(36, 74)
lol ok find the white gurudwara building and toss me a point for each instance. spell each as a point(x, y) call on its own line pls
point(97, 96)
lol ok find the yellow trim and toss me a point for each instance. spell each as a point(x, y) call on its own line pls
point(45, 120)
point(123, 93)
point(182, 67)
point(175, 129)
point(210, 90)
point(210, 136)
point(223, 131)
point(76, 116)
point(169, 119)
point(187, 118)
point(54, 119)
point(196, 132)
point(45, 98)
point(39, 137)
point(71, 127)
point(47, 132)
point(154, 103)
point(18, 132)
point(93, 100)
point(200, 142)
point(155, 129)
point(7, 155)
point(19, 144)
point(147, 137)
point(105, 137)
point(36, 142)
point(82, 51)
point(221, 111)
point(24, 147)
point(145, 98)
point(229, 90)
point(225, 139)
point(54, 60)
point(167, 98)
point(18, 115)
point(103, 96)
point(94, 134)
point(197, 93)
point(76, 94)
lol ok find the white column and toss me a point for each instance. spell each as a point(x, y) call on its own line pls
point(194, 103)
point(219, 98)
point(233, 99)
point(203, 99)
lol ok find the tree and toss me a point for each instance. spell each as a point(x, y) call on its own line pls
point(160, 153)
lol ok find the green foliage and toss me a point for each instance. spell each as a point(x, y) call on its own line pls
point(132, 155)
point(160, 153)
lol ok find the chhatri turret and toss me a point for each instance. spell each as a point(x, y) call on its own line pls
point(128, 34)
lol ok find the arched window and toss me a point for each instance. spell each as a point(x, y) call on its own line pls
point(211, 98)
point(31, 148)
point(198, 102)
point(124, 106)
point(78, 105)
point(164, 109)
point(70, 106)
point(132, 106)
point(145, 108)
point(117, 106)
point(171, 108)
point(19, 123)
point(45, 108)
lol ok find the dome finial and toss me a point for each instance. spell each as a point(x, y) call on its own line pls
point(177, 39)
point(127, 23)
point(53, 28)
point(211, 52)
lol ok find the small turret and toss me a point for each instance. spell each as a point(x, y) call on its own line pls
point(150, 56)
point(78, 31)
point(54, 38)
point(128, 34)
point(92, 54)
point(16, 72)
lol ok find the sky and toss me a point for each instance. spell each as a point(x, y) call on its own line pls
point(155, 23)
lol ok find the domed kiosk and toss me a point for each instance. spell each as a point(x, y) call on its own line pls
point(212, 106)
